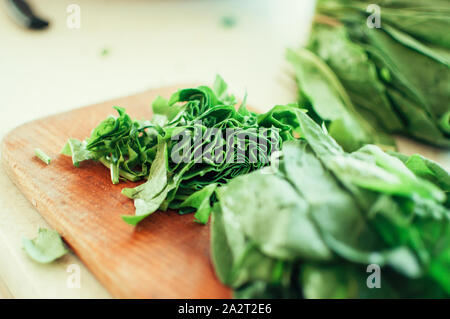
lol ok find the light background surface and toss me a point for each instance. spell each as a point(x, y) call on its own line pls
point(150, 44)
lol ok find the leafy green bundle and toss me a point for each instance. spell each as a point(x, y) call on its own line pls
point(181, 152)
point(309, 225)
point(365, 81)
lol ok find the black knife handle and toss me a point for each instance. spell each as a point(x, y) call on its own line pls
point(22, 13)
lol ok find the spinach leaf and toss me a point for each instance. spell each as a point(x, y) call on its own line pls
point(329, 100)
point(201, 202)
point(320, 216)
point(46, 247)
point(150, 195)
point(372, 67)
point(77, 150)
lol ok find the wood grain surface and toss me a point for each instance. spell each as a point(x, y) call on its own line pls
point(165, 256)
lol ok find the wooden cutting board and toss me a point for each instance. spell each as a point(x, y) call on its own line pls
point(165, 256)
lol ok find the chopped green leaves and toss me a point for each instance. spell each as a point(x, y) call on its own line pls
point(228, 21)
point(105, 52)
point(149, 196)
point(201, 201)
point(46, 247)
point(42, 156)
point(294, 213)
point(197, 140)
point(77, 150)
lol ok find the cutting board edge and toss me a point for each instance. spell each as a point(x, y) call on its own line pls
point(28, 191)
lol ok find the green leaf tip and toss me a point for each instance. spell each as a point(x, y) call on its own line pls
point(42, 156)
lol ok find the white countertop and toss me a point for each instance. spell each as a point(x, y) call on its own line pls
point(150, 44)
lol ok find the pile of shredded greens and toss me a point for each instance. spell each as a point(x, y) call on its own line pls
point(136, 150)
point(365, 82)
point(293, 213)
